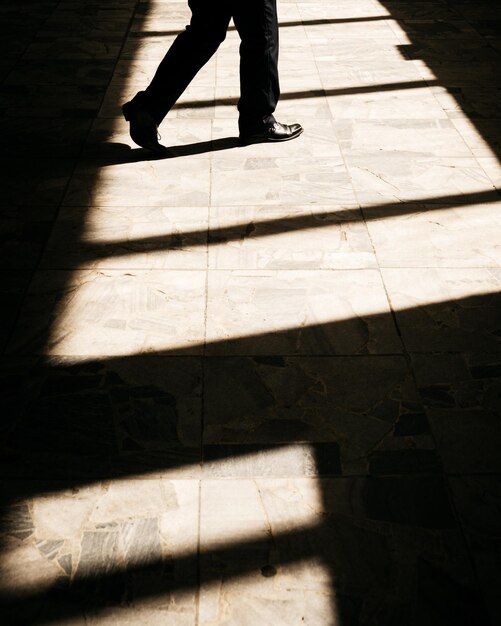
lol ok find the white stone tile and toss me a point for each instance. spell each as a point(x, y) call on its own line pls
point(268, 180)
point(298, 312)
point(112, 312)
point(402, 176)
point(289, 238)
point(436, 236)
point(164, 181)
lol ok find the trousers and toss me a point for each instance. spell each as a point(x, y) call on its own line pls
point(257, 25)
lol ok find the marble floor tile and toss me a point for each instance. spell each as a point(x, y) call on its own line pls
point(287, 548)
point(289, 312)
point(352, 415)
point(446, 310)
point(410, 104)
point(276, 237)
point(148, 181)
point(422, 137)
point(76, 553)
point(461, 393)
point(270, 181)
point(339, 10)
point(436, 236)
point(101, 313)
point(103, 418)
point(401, 176)
point(128, 238)
point(377, 29)
point(374, 77)
point(355, 52)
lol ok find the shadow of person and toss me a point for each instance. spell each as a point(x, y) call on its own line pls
point(116, 153)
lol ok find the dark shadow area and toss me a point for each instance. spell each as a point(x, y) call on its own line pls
point(343, 394)
point(357, 404)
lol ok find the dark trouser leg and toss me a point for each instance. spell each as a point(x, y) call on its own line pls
point(187, 55)
point(257, 25)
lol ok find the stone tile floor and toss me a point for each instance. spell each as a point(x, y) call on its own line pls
point(261, 385)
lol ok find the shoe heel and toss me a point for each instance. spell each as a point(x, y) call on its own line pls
point(126, 110)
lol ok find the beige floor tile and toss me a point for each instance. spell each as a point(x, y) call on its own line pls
point(423, 137)
point(267, 180)
point(238, 527)
point(400, 176)
point(446, 310)
point(112, 313)
point(150, 181)
point(289, 238)
point(141, 532)
point(298, 312)
point(437, 236)
point(392, 104)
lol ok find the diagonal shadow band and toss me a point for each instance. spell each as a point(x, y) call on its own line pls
point(316, 93)
point(290, 24)
point(88, 251)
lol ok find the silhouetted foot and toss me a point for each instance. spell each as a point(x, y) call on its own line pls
point(274, 132)
point(143, 128)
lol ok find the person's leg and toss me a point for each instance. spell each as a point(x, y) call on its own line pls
point(257, 24)
point(189, 52)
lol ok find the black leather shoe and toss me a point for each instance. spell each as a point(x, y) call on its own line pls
point(143, 128)
point(275, 132)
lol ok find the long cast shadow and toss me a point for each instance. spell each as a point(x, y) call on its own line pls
point(36, 404)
